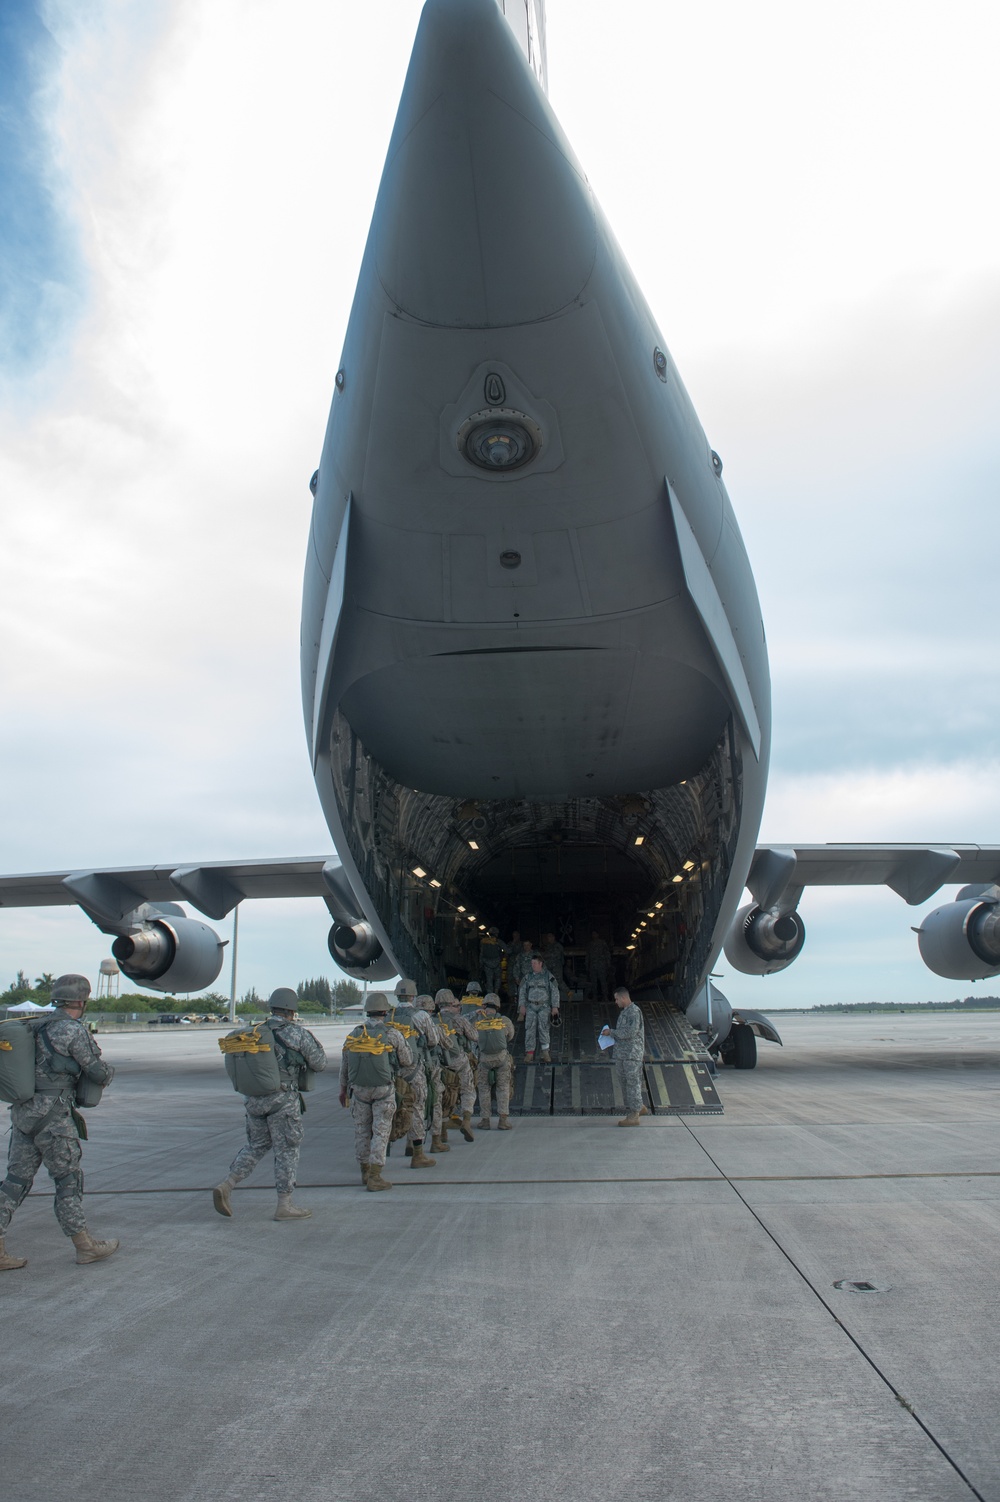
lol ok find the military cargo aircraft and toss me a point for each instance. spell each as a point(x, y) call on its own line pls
point(534, 670)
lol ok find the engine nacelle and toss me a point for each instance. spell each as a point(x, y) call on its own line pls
point(961, 941)
point(762, 943)
point(166, 953)
point(357, 951)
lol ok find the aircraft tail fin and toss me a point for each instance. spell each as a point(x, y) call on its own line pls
point(527, 21)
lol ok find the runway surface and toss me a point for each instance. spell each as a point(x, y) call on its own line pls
point(566, 1311)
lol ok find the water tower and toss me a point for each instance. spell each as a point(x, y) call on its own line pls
point(108, 979)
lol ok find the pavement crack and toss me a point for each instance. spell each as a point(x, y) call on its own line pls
point(883, 1377)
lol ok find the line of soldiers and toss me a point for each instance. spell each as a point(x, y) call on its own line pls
point(518, 954)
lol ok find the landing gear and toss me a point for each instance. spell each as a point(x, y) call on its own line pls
point(743, 1051)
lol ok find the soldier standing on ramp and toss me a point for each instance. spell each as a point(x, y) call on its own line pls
point(453, 1028)
point(495, 1034)
point(45, 1127)
point(491, 953)
point(373, 1055)
point(630, 1045)
point(537, 1001)
point(274, 1120)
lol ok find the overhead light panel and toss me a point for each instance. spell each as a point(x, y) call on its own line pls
point(639, 839)
point(657, 905)
point(677, 879)
point(473, 845)
point(689, 865)
point(434, 883)
point(629, 946)
point(419, 871)
point(461, 909)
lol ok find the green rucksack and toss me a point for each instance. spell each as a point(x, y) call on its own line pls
point(492, 1036)
point(251, 1061)
point(17, 1062)
point(371, 1058)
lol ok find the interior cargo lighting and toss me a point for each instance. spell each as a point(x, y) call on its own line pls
point(482, 928)
point(461, 909)
point(629, 946)
point(639, 839)
point(473, 845)
point(677, 879)
point(472, 917)
point(434, 883)
point(657, 905)
point(689, 865)
point(419, 871)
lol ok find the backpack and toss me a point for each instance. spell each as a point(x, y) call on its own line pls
point(17, 1062)
point(291, 1063)
point(371, 1058)
point(401, 1018)
point(452, 1041)
point(492, 1037)
point(251, 1061)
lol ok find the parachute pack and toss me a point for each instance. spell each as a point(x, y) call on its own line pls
point(17, 1062)
point(371, 1058)
point(492, 1036)
point(259, 1061)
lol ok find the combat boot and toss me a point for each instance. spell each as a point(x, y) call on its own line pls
point(221, 1197)
point(375, 1179)
point(409, 1151)
point(632, 1119)
point(9, 1263)
point(438, 1145)
point(465, 1127)
point(546, 1056)
point(287, 1211)
point(503, 1125)
point(364, 1173)
point(484, 1124)
point(444, 1135)
point(529, 1056)
point(420, 1158)
point(89, 1250)
point(643, 1111)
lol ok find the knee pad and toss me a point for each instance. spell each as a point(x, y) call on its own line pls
point(14, 1189)
point(69, 1185)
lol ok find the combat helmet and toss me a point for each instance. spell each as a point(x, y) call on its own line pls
point(473, 988)
point(70, 990)
point(491, 999)
point(376, 1004)
point(284, 1000)
point(445, 998)
point(406, 988)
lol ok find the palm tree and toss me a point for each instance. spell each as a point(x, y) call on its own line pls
point(44, 982)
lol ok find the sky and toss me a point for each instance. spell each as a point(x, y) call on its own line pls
point(805, 196)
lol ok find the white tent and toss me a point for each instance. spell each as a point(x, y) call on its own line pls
point(29, 1006)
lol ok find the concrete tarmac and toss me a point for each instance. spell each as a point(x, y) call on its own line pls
point(566, 1311)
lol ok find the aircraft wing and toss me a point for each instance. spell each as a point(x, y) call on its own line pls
point(213, 887)
point(779, 872)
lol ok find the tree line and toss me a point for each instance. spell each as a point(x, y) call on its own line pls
point(316, 996)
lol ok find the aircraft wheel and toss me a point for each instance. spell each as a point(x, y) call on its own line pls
point(744, 1047)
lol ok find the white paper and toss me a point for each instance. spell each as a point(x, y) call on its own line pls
point(606, 1042)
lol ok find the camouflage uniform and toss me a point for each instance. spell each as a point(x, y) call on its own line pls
point(450, 1018)
point(554, 960)
point(490, 956)
point(538, 998)
point(416, 1074)
point(501, 1063)
point(374, 1106)
point(517, 969)
point(599, 969)
point(630, 1046)
point(275, 1121)
point(42, 1129)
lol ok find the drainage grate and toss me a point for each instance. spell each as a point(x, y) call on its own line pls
point(850, 1285)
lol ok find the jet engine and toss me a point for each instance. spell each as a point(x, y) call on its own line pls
point(762, 943)
point(167, 953)
point(961, 941)
point(357, 950)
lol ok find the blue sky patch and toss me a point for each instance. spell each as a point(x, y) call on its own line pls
point(41, 268)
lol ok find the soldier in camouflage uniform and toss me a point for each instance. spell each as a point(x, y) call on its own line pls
point(421, 1035)
point(374, 1106)
point(496, 1033)
point(519, 967)
point(630, 1045)
point(537, 1003)
point(435, 1061)
point(275, 1120)
point(43, 1129)
point(491, 953)
point(456, 1030)
point(554, 960)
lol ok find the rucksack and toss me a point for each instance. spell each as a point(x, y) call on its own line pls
point(492, 1036)
point(251, 1061)
point(17, 1062)
point(401, 1018)
point(371, 1058)
point(291, 1062)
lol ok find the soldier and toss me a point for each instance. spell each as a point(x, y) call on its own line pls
point(491, 953)
point(599, 966)
point(458, 1039)
point(435, 1059)
point(373, 1053)
point(421, 1035)
point(520, 968)
point(495, 1034)
point(275, 1121)
point(537, 1002)
point(630, 1045)
point(44, 1129)
point(554, 960)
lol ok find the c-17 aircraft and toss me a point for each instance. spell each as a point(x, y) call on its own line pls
point(534, 670)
